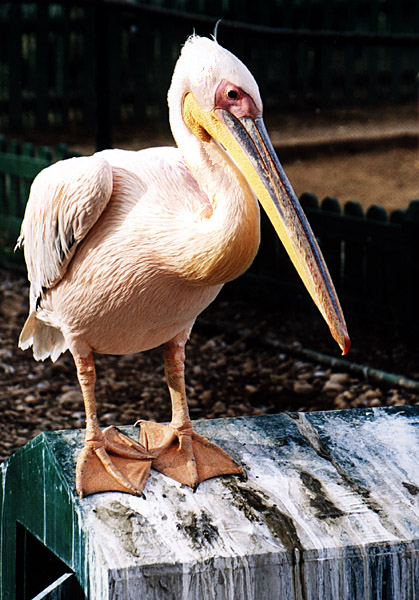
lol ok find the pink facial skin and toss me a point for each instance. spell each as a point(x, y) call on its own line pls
point(232, 98)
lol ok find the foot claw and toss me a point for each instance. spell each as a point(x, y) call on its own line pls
point(113, 462)
point(118, 443)
point(186, 457)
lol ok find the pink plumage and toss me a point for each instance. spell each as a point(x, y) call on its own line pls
point(125, 249)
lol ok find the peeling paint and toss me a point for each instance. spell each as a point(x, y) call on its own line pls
point(325, 509)
point(255, 506)
point(412, 489)
point(198, 528)
point(318, 445)
point(122, 521)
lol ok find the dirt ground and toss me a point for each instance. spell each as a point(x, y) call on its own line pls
point(366, 154)
point(231, 371)
point(387, 177)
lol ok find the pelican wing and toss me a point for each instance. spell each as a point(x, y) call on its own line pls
point(65, 201)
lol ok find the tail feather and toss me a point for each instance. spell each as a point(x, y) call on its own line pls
point(46, 340)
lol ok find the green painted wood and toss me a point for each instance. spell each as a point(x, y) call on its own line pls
point(329, 510)
point(14, 45)
point(18, 167)
point(64, 588)
point(21, 166)
point(3, 200)
point(40, 573)
point(43, 86)
point(12, 182)
point(62, 66)
point(27, 150)
point(138, 42)
point(332, 247)
point(45, 509)
point(105, 69)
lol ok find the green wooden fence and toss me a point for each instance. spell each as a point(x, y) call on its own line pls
point(84, 62)
point(372, 257)
point(19, 164)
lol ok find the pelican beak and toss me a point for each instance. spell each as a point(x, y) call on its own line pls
point(248, 143)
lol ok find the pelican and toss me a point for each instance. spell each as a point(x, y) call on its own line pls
point(125, 249)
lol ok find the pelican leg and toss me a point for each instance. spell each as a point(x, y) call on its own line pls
point(181, 453)
point(109, 461)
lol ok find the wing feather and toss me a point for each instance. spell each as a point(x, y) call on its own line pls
point(65, 201)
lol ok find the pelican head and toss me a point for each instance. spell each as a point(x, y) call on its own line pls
point(214, 97)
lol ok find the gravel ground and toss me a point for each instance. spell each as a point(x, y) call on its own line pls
point(230, 370)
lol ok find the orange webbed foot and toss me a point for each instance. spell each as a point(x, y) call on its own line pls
point(111, 462)
point(184, 455)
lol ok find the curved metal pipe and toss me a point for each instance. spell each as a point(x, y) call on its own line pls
point(345, 365)
point(296, 349)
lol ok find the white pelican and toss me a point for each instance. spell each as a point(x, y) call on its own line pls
point(125, 249)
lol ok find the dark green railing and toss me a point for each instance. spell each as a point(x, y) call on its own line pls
point(19, 164)
point(372, 257)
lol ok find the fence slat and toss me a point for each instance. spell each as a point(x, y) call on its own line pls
point(42, 70)
point(3, 199)
point(28, 151)
point(88, 68)
point(13, 182)
point(52, 60)
point(21, 166)
point(332, 247)
point(14, 43)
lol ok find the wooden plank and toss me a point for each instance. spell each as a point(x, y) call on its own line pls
point(13, 181)
point(62, 64)
point(102, 65)
point(62, 589)
point(3, 201)
point(17, 171)
point(114, 62)
point(27, 150)
point(40, 573)
point(42, 65)
point(9, 232)
point(329, 510)
point(410, 299)
point(21, 166)
point(14, 43)
point(331, 245)
point(376, 257)
point(88, 68)
point(137, 48)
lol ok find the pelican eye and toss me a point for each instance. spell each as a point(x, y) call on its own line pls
point(233, 94)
